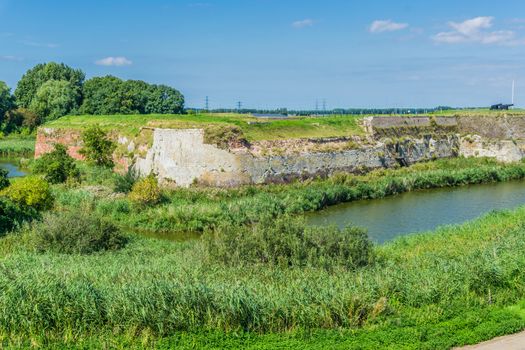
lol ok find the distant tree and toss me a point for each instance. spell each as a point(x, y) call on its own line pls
point(163, 99)
point(111, 95)
point(7, 101)
point(102, 95)
point(34, 78)
point(54, 99)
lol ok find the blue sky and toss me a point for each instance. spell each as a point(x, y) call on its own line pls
point(270, 53)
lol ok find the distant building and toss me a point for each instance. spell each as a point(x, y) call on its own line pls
point(501, 107)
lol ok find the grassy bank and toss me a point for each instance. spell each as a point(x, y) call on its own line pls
point(17, 146)
point(458, 285)
point(254, 129)
point(198, 209)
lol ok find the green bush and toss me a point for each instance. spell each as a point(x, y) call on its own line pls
point(124, 183)
point(98, 148)
point(80, 231)
point(145, 191)
point(289, 242)
point(30, 191)
point(57, 166)
point(12, 215)
point(4, 181)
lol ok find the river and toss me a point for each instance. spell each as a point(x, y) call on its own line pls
point(12, 168)
point(420, 211)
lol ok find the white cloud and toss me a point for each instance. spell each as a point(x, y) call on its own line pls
point(303, 23)
point(388, 25)
point(39, 44)
point(475, 30)
point(10, 58)
point(114, 61)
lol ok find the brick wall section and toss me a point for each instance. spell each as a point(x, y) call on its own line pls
point(46, 139)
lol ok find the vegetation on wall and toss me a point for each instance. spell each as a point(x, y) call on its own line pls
point(97, 147)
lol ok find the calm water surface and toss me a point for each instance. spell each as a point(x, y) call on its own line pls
point(12, 168)
point(422, 210)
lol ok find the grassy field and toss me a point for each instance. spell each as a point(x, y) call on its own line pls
point(254, 129)
point(458, 285)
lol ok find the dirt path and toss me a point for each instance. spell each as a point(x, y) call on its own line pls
point(509, 342)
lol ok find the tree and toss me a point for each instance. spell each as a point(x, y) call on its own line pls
point(98, 148)
point(163, 99)
point(19, 118)
point(111, 95)
point(7, 101)
point(54, 99)
point(34, 78)
point(102, 95)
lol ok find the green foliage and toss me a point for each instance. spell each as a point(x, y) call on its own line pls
point(7, 101)
point(145, 191)
point(111, 95)
point(54, 99)
point(288, 242)
point(17, 145)
point(12, 215)
point(30, 191)
point(19, 119)
point(37, 76)
point(57, 166)
point(124, 183)
point(4, 181)
point(78, 231)
point(97, 147)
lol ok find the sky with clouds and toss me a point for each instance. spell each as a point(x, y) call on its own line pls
point(287, 53)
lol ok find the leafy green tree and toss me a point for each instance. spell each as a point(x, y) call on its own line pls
point(54, 99)
point(57, 166)
point(111, 95)
point(34, 78)
point(98, 148)
point(7, 101)
point(102, 95)
point(17, 119)
point(163, 99)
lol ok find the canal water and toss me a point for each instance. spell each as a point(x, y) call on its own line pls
point(420, 211)
point(12, 168)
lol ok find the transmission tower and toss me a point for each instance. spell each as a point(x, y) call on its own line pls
point(239, 105)
point(324, 105)
point(207, 104)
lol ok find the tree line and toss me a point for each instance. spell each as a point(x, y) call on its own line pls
point(51, 90)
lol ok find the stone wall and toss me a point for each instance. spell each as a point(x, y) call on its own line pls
point(183, 157)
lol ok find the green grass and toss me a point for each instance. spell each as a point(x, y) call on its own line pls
point(254, 129)
point(457, 285)
point(198, 209)
point(15, 146)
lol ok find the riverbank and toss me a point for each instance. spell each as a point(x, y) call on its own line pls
point(196, 210)
point(458, 285)
point(17, 146)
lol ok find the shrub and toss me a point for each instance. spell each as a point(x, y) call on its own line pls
point(124, 183)
point(12, 215)
point(80, 231)
point(98, 148)
point(145, 191)
point(30, 191)
point(289, 242)
point(4, 181)
point(57, 166)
